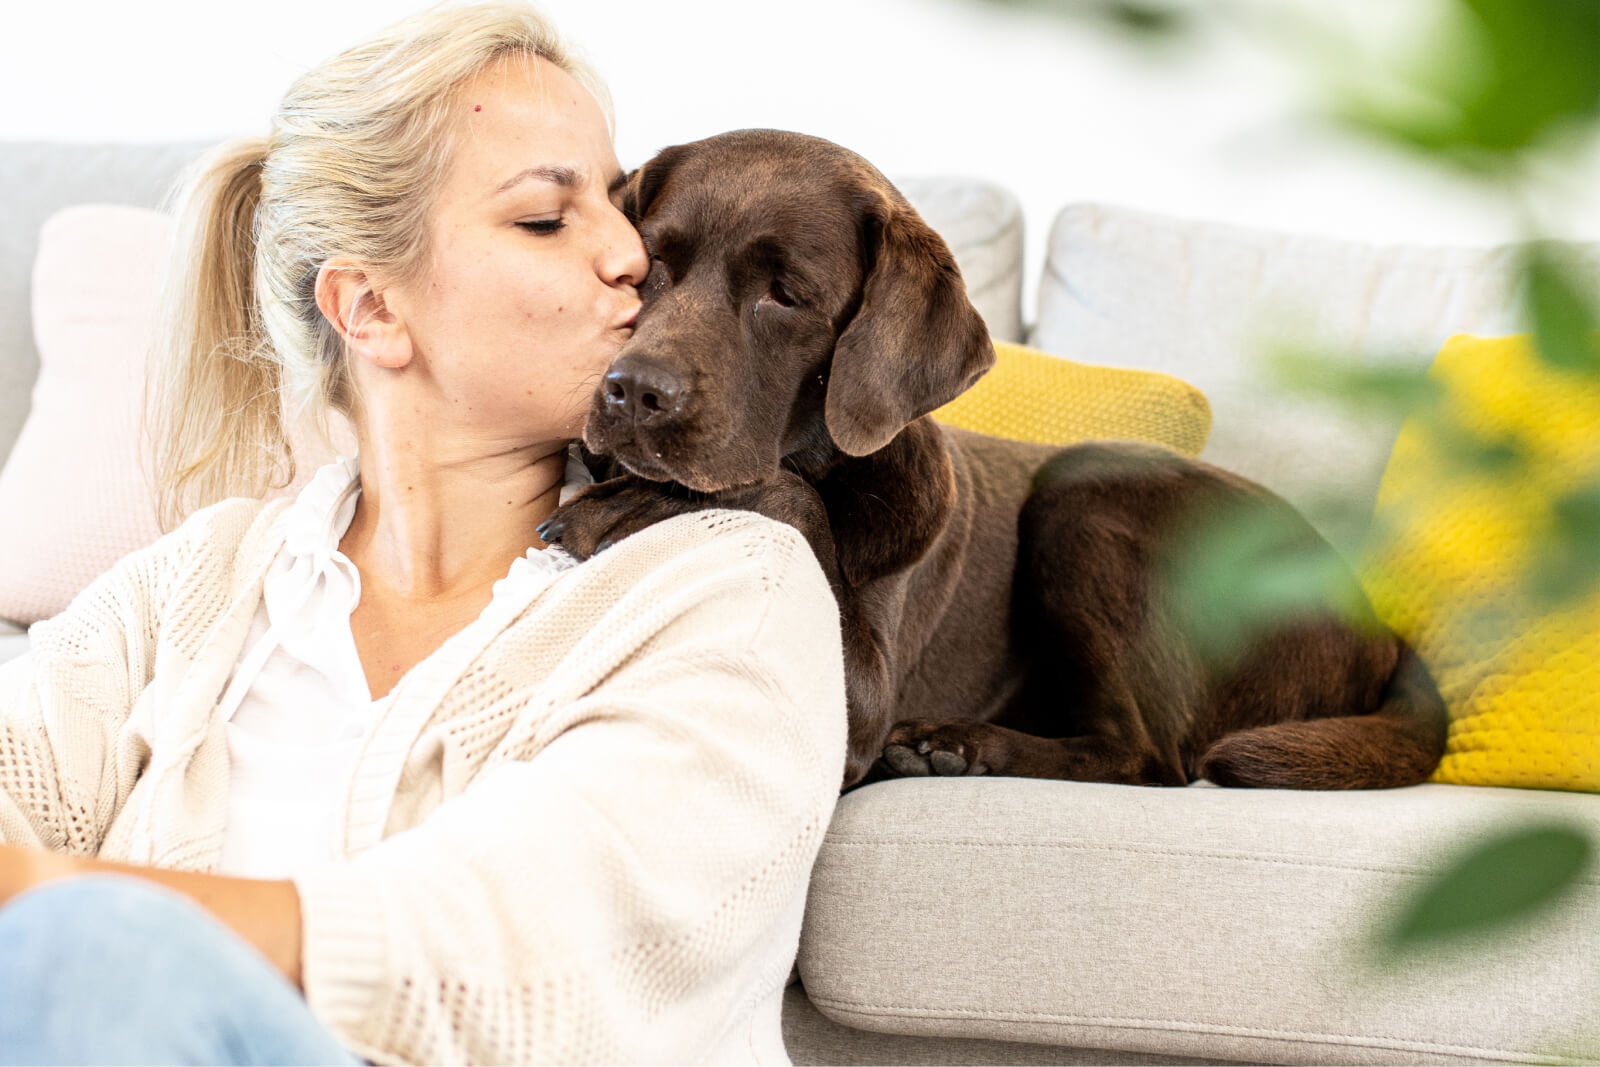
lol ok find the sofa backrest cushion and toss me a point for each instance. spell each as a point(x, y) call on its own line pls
point(1208, 302)
point(982, 224)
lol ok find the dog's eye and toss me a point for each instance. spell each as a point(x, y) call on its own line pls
point(777, 294)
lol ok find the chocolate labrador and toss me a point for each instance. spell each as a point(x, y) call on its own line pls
point(1003, 604)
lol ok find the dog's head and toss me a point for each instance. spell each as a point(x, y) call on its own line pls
point(796, 304)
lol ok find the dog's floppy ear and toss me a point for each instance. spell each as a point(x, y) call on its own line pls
point(646, 181)
point(915, 343)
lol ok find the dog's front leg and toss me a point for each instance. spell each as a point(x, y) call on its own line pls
point(606, 512)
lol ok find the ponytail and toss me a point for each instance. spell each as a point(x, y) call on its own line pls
point(215, 402)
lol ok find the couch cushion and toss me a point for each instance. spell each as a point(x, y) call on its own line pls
point(811, 1037)
point(1206, 302)
point(1032, 396)
point(982, 224)
point(39, 179)
point(76, 493)
point(1200, 922)
point(1460, 547)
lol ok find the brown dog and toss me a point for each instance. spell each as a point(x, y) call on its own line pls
point(1002, 605)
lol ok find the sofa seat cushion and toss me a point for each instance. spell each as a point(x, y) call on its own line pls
point(1203, 921)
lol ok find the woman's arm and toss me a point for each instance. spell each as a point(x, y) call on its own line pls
point(266, 914)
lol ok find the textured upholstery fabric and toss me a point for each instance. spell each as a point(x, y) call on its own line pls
point(982, 224)
point(1207, 302)
point(1199, 921)
point(1522, 678)
point(812, 1037)
point(1032, 396)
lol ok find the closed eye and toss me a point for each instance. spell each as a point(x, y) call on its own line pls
point(777, 294)
point(542, 226)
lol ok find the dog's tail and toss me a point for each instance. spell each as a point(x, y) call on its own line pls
point(1398, 743)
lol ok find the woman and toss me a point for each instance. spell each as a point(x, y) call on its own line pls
point(474, 801)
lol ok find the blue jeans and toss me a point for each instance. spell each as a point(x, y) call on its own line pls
point(105, 969)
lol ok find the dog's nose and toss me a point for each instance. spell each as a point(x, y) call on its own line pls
point(643, 389)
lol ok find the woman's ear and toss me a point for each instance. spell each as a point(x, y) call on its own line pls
point(358, 312)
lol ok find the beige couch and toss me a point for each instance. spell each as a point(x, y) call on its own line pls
point(1014, 921)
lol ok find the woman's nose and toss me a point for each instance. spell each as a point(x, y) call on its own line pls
point(624, 261)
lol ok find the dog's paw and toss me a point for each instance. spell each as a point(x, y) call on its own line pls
point(606, 512)
point(918, 747)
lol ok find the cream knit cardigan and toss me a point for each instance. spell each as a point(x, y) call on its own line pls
point(582, 831)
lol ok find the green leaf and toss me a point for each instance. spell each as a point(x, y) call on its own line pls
point(1565, 559)
point(1389, 389)
point(1562, 321)
point(1494, 78)
point(1238, 573)
point(1508, 878)
point(1544, 69)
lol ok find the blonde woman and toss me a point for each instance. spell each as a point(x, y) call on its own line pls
point(372, 773)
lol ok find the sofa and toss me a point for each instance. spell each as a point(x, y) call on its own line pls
point(980, 920)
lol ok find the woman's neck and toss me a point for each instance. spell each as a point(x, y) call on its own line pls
point(429, 527)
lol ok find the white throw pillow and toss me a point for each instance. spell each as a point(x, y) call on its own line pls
point(76, 492)
point(1207, 301)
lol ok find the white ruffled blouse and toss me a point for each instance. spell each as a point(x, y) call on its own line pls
point(297, 704)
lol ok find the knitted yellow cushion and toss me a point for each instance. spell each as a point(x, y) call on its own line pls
point(1522, 680)
point(1032, 396)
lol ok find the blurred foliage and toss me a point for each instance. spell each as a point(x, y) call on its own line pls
point(1491, 85)
point(1243, 572)
point(1147, 20)
point(1567, 557)
point(1518, 71)
point(1503, 879)
point(1562, 321)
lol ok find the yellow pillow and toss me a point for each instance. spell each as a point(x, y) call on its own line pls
point(1032, 396)
point(1451, 574)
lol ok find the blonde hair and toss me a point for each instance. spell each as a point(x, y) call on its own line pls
point(357, 149)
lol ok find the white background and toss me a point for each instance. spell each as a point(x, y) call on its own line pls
point(1053, 109)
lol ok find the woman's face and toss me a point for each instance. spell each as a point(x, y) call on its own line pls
point(530, 286)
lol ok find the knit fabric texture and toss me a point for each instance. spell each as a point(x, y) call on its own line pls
point(1033, 396)
point(582, 831)
point(1457, 563)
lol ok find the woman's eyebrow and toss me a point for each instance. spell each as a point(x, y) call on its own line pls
point(566, 177)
